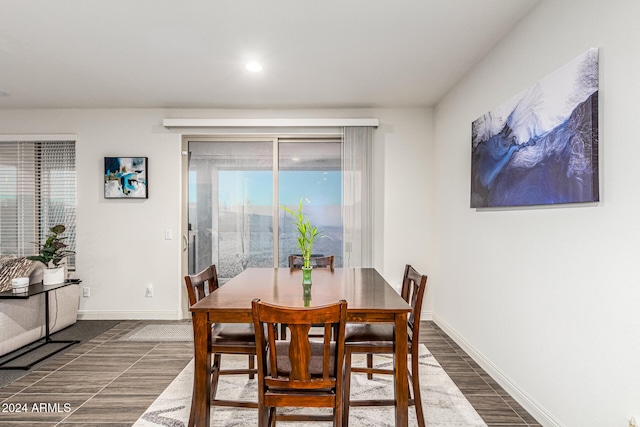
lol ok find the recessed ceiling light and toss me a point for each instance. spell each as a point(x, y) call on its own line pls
point(253, 66)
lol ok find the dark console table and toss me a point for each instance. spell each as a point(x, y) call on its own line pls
point(36, 289)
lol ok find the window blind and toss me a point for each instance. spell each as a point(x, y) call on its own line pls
point(37, 191)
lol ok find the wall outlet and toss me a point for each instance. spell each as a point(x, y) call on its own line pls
point(149, 291)
point(86, 292)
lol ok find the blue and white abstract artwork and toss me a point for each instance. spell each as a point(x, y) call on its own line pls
point(125, 177)
point(541, 146)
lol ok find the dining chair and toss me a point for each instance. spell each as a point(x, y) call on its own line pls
point(295, 263)
point(378, 338)
point(231, 338)
point(299, 372)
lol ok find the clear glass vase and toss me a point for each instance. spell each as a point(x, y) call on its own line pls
point(306, 294)
point(306, 275)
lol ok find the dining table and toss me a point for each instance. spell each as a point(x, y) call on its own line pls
point(370, 298)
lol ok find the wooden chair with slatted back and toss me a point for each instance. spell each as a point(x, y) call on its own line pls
point(378, 338)
point(300, 372)
point(296, 261)
point(225, 338)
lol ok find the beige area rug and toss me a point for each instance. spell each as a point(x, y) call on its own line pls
point(444, 405)
point(161, 332)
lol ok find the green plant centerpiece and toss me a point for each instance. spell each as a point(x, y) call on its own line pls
point(52, 252)
point(307, 234)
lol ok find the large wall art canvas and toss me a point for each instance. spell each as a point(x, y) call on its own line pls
point(541, 146)
point(125, 177)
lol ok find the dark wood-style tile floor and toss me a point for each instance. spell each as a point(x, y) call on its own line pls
point(489, 399)
point(109, 383)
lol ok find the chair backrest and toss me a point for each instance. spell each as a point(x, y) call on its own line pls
point(296, 261)
point(413, 287)
point(299, 363)
point(196, 284)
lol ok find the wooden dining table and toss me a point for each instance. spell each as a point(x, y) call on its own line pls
point(370, 299)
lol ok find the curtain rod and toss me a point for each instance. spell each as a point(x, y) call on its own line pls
point(213, 123)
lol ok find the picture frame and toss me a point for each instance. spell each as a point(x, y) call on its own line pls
point(126, 178)
point(541, 146)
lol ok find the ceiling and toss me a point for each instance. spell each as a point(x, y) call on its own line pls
point(191, 54)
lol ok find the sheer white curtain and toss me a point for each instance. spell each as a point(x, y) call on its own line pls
point(357, 161)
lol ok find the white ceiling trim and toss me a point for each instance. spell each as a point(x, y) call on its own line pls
point(258, 123)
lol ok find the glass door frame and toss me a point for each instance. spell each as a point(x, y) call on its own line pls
point(184, 209)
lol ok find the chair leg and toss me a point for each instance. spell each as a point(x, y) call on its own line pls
point(337, 412)
point(415, 382)
point(369, 365)
point(215, 374)
point(272, 416)
point(251, 366)
point(346, 388)
point(338, 407)
point(192, 413)
point(263, 416)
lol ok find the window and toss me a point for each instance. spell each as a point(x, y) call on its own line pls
point(37, 191)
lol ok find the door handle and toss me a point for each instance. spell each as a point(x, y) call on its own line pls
point(185, 243)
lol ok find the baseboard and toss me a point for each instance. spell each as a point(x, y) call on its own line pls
point(426, 315)
point(527, 402)
point(128, 315)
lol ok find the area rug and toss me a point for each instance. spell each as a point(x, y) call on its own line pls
point(444, 405)
point(161, 332)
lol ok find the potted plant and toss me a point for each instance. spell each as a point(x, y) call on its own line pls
point(307, 234)
point(52, 252)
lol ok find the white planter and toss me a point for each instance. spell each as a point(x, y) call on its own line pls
point(20, 284)
point(53, 276)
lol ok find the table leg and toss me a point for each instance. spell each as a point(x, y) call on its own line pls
point(401, 380)
point(47, 340)
point(200, 408)
point(46, 317)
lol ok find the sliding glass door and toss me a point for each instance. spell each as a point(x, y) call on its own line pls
point(230, 211)
point(235, 190)
point(310, 171)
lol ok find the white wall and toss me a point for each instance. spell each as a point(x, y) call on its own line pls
point(409, 172)
point(120, 243)
point(547, 299)
point(121, 246)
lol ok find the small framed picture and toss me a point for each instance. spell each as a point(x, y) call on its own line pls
point(125, 178)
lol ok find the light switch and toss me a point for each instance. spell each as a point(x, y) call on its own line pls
point(168, 234)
